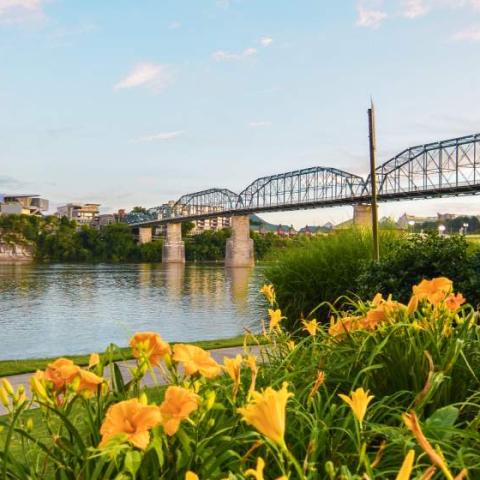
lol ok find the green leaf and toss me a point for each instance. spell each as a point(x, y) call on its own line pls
point(440, 423)
point(133, 460)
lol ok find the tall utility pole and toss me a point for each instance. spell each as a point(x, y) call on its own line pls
point(373, 180)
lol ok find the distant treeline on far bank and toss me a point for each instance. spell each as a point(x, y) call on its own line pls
point(60, 240)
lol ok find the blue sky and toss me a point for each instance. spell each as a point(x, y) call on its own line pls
point(134, 102)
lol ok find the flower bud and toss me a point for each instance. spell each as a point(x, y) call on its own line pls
point(7, 386)
point(29, 425)
point(3, 397)
point(210, 398)
point(143, 398)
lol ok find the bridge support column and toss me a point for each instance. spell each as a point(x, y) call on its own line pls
point(239, 251)
point(362, 215)
point(144, 235)
point(173, 248)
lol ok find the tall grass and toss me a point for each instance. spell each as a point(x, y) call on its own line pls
point(322, 269)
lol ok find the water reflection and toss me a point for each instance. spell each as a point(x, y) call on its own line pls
point(48, 310)
point(175, 277)
point(239, 279)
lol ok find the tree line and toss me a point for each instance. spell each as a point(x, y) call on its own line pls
point(60, 240)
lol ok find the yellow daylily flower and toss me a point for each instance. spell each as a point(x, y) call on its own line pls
point(358, 401)
point(257, 473)
point(311, 326)
point(275, 318)
point(94, 360)
point(267, 411)
point(191, 476)
point(407, 466)
point(269, 293)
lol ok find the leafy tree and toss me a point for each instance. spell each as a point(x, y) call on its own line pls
point(187, 227)
point(139, 210)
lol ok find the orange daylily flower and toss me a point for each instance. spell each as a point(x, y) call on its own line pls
point(435, 290)
point(269, 292)
point(407, 466)
point(311, 326)
point(344, 325)
point(251, 361)
point(275, 318)
point(358, 401)
point(318, 383)
point(178, 404)
point(412, 423)
point(195, 359)
point(61, 372)
point(149, 345)
point(88, 382)
point(233, 367)
point(454, 302)
point(266, 412)
point(131, 418)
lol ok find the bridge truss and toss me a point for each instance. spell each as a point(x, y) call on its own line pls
point(449, 167)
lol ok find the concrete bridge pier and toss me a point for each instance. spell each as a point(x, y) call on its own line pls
point(362, 215)
point(144, 235)
point(173, 250)
point(239, 251)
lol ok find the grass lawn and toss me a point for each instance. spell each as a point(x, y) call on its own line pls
point(15, 367)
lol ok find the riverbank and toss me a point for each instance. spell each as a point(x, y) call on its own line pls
point(17, 367)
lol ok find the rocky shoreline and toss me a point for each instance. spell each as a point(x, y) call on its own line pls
point(12, 253)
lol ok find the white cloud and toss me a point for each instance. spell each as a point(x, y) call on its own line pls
point(222, 55)
point(415, 8)
point(174, 25)
point(20, 11)
point(162, 136)
point(153, 76)
point(471, 34)
point(370, 16)
point(260, 124)
point(266, 41)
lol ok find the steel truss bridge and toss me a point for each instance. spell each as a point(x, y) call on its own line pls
point(445, 168)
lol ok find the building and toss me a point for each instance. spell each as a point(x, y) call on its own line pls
point(170, 209)
point(82, 213)
point(22, 204)
point(406, 221)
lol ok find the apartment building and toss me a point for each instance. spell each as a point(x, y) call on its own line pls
point(82, 213)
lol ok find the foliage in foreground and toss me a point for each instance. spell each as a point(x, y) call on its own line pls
point(322, 269)
point(388, 391)
point(338, 267)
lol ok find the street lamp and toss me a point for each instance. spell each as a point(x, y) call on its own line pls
point(412, 224)
point(465, 228)
point(441, 229)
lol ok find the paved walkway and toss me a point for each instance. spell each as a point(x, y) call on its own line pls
point(125, 366)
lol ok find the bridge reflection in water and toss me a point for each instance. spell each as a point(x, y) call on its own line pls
point(50, 310)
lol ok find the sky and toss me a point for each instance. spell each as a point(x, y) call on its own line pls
point(137, 102)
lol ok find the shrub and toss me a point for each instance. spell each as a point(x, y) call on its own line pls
point(320, 269)
point(423, 256)
point(383, 386)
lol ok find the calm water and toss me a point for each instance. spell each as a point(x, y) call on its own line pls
point(48, 310)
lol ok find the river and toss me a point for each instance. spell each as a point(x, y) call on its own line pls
point(51, 310)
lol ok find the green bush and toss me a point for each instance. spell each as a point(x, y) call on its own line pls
point(319, 269)
point(423, 256)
